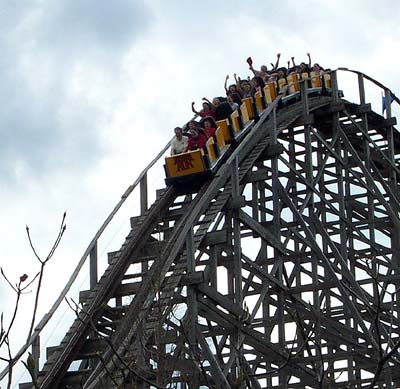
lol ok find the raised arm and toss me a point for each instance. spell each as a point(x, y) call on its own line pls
point(278, 56)
point(238, 86)
point(250, 62)
point(251, 67)
point(226, 83)
point(254, 70)
point(293, 62)
point(193, 109)
point(208, 101)
point(309, 60)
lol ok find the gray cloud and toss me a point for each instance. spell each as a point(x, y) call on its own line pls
point(54, 56)
point(87, 25)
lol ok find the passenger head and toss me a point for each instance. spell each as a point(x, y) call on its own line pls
point(236, 98)
point(192, 124)
point(216, 101)
point(304, 67)
point(206, 106)
point(229, 99)
point(282, 72)
point(209, 123)
point(178, 132)
point(316, 68)
point(258, 82)
point(246, 86)
point(194, 133)
point(297, 69)
point(232, 88)
point(264, 69)
point(224, 111)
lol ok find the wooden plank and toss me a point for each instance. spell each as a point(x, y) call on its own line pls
point(214, 238)
point(262, 232)
point(223, 301)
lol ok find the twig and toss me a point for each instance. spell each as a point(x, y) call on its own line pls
point(42, 265)
point(18, 290)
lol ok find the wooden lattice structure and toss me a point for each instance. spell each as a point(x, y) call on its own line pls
point(280, 272)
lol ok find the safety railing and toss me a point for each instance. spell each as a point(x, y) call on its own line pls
point(386, 96)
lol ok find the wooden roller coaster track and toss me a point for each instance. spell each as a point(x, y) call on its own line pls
point(282, 271)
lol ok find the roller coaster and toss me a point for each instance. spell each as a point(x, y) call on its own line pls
point(281, 270)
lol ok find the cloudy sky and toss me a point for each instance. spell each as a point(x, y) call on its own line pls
point(91, 89)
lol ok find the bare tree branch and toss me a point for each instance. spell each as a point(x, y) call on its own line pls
point(42, 265)
point(77, 310)
point(19, 288)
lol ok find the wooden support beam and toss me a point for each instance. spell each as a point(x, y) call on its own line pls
point(214, 238)
point(216, 370)
point(143, 195)
point(223, 301)
point(262, 232)
point(93, 266)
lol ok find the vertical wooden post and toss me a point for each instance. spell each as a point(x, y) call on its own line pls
point(93, 282)
point(237, 265)
point(335, 89)
point(304, 98)
point(361, 89)
point(93, 266)
point(213, 266)
point(390, 129)
point(36, 354)
point(274, 130)
point(192, 307)
point(143, 195)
